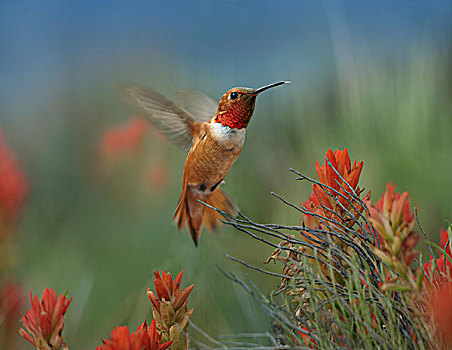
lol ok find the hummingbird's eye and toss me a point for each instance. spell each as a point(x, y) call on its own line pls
point(233, 95)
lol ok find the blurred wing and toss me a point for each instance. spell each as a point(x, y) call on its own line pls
point(174, 121)
point(199, 104)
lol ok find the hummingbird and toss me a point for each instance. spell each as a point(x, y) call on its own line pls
point(213, 136)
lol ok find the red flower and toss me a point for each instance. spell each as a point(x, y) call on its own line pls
point(441, 306)
point(158, 176)
point(338, 174)
point(143, 339)
point(444, 241)
point(167, 290)
point(439, 271)
point(44, 321)
point(392, 219)
point(13, 186)
point(310, 205)
point(11, 300)
point(338, 163)
point(392, 212)
point(310, 343)
point(170, 309)
point(125, 138)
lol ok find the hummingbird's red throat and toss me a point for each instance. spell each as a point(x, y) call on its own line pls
point(237, 116)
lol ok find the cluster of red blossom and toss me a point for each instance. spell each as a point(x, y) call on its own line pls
point(393, 220)
point(13, 191)
point(44, 321)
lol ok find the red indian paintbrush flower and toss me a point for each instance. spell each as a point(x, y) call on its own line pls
point(392, 213)
point(44, 322)
point(340, 178)
point(143, 339)
point(11, 300)
point(441, 308)
point(13, 186)
point(125, 138)
point(444, 241)
point(393, 220)
point(170, 308)
point(439, 271)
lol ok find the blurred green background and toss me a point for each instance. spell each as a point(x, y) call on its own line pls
point(375, 77)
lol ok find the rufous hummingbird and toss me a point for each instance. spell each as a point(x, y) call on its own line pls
point(213, 141)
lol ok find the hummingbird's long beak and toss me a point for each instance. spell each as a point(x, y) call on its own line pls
point(266, 87)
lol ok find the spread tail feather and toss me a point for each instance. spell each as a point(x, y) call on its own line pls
point(220, 200)
point(191, 212)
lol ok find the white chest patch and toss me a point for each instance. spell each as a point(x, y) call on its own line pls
point(229, 136)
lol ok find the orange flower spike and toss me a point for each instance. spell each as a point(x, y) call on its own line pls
point(46, 326)
point(322, 197)
point(155, 338)
point(44, 322)
point(177, 282)
point(444, 241)
point(166, 277)
point(353, 178)
point(183, 297)
point(387, 199)
point(153, 334)
point(120, 339)
point(152, 298)
point(142, 339)
point(320, 172)
point(397, 208)
point(332, 177)
point(441, 304)
point(162, 288)
point(169, 307)
point(343, 161)
point(436, 271)
point(439, 271)
point(408, 216)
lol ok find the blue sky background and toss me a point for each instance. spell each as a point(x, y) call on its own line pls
point(47, 45)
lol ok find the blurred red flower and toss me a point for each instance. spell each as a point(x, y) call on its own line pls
point(13, 186)
point(125, 138)
point(441, 307)
point(44, 321)
point(310, 343)
point(11, 301)
point(157, 177)
point(143, 339)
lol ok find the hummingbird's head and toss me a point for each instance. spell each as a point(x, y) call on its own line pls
point(236, 107)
